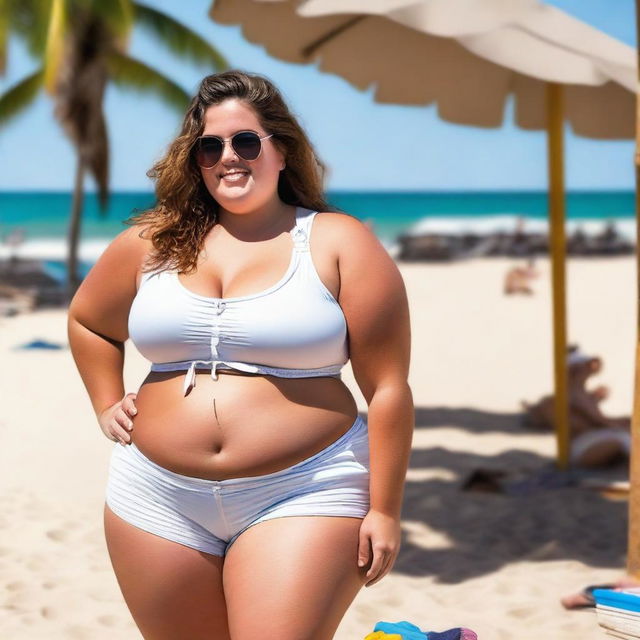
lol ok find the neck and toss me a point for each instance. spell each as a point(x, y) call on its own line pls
point(266, 221)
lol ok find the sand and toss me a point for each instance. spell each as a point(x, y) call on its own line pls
point(494, 562)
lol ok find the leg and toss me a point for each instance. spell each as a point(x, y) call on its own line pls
point(600, 447)
point(173, 591)
point(600, 454)
point(292, 578)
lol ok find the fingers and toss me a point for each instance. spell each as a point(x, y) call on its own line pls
point(382, 560)
point(375, 570)
point(128, 404)
point(363, 549)
point(122, 423)
point(121, 426)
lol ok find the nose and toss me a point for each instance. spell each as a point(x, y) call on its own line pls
point(228, 152)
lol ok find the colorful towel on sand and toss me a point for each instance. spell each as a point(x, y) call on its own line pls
point(407, 631)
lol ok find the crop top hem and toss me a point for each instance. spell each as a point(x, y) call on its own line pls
point(191, 365)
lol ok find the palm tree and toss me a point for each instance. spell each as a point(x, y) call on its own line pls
point(82, 45)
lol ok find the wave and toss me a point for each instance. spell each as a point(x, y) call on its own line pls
point(90, 249)
point(508, 223)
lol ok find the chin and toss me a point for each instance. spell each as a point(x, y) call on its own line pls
point(242, 204)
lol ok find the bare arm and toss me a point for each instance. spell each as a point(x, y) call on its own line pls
point(586, 405)
point(100, 361)
point(374, 301)
point(98, 316)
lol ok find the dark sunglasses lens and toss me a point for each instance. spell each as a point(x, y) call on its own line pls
point(246, 145)
point(208, 152)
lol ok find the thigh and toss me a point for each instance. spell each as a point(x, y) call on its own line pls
point(173, 591)
point(599, 447)
point(297, 573)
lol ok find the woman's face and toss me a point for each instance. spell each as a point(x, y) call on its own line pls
point(258, 184)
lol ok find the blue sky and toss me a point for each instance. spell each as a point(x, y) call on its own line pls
point(453, 157)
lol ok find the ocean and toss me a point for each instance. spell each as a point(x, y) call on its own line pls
point(43, 216)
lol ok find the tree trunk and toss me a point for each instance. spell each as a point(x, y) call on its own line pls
point(73, 278)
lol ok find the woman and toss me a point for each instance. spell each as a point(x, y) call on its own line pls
point(517, 278)
point(597, 440)
point(247, 490)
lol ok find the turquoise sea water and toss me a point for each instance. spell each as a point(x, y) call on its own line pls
point(45, 214)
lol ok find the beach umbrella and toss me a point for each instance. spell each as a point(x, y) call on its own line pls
point(468, 57)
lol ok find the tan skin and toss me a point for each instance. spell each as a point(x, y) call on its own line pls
point(260, 424)
point(584, 413)
point(517, 279)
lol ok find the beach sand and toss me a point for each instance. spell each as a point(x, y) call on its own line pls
point(493, 562)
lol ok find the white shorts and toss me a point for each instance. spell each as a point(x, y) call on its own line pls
point(209, 515)
point(587, 439)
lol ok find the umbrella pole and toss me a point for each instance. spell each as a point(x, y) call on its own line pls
point(557, 244)
point(633, 557)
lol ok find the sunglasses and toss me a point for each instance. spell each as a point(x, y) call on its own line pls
point(208, 149)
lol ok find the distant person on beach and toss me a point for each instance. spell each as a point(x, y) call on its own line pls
point(609, 234)
point(584, 598)
point(13, 240)
point(258, 502)
point(578, 242)
point(518, 278)
point(596, 439)
point(519, 239)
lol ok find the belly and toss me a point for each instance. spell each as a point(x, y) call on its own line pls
point(238, 425)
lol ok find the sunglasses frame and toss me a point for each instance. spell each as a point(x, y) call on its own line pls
point(230, 141)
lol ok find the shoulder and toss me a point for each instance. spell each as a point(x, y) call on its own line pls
point(337, 220)
point(135, 238)
point(346, 232)
point(131, 246)
point(118, 266)
point(104, 297)
point(352, 239)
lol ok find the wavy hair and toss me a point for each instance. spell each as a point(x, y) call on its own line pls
point(185, 211)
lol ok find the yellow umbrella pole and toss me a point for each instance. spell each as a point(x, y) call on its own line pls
point(557, 244)
point(633, 556)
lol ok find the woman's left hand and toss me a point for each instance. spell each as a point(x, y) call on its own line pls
point(380, 533)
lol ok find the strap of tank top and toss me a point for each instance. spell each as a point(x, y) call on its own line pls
point(301, 231)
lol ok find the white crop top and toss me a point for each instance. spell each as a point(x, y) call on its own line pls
point(293, 329)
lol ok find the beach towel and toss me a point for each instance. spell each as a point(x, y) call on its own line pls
point(405, 630)
point(39, 343)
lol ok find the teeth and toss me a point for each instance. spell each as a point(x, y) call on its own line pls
point(234, 177)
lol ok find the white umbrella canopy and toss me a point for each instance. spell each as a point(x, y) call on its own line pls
point(467, 56)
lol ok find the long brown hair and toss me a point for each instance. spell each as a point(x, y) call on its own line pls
point(185, 211)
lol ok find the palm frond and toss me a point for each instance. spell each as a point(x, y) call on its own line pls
point(4, 33)
point(178, 37)
point(116, 14)
point(29, 20)
point(129, 73)
point(54, 49)
point(20, 96)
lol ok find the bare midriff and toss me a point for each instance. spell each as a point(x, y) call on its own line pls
point(240, 424)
